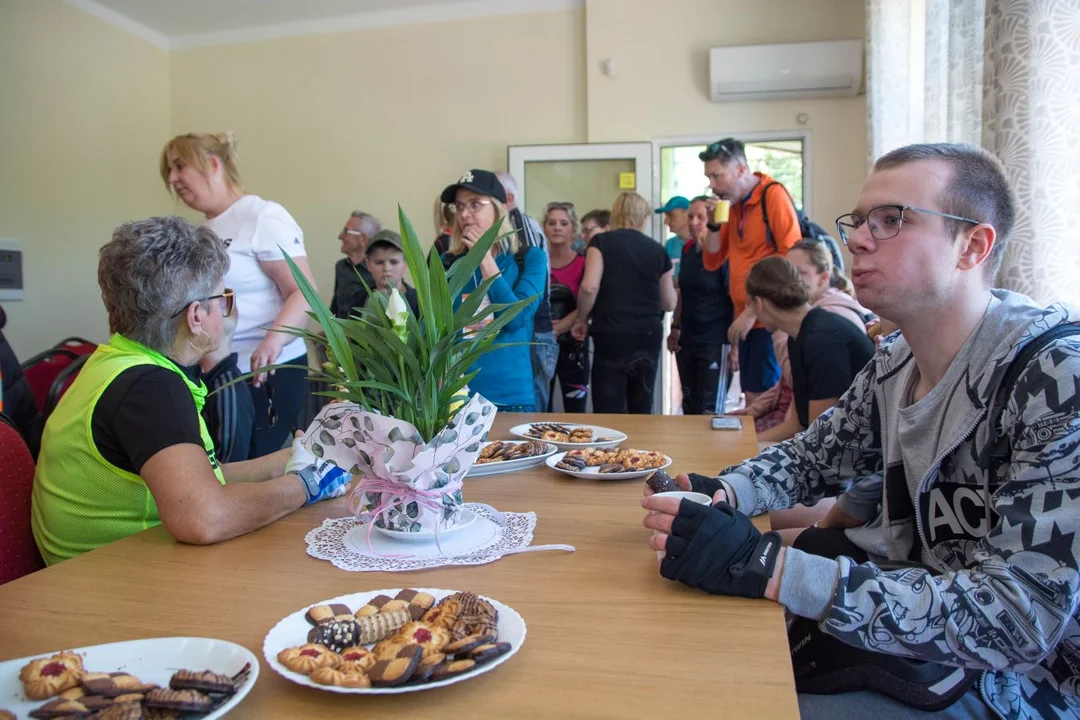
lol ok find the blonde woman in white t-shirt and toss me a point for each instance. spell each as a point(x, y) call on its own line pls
point(200, 169)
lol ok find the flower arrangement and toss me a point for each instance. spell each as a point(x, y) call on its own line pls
point(405, 426)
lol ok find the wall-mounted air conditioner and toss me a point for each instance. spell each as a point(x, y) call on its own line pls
point(789, 70)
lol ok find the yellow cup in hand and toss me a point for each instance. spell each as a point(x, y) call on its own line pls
point(722, 211)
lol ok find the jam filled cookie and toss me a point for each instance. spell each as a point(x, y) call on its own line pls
point(45, 677)
point(444, 614)
point(353, 678)
point(308, 658)
point(432, 638)
point(357, 656)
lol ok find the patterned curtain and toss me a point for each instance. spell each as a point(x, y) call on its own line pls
point(924, 72)
point(1031, 120)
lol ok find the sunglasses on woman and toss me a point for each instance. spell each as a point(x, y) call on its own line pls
point(228, 304)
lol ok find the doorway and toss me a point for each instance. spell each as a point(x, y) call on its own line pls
point(784, 155)
point(590, 176)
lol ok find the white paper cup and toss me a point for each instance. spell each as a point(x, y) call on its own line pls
point(700, 498)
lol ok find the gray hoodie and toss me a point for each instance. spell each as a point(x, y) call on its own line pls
point(1006, 548)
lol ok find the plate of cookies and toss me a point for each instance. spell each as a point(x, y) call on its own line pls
point(394, 641)
point(507, 456)
point(568, 436)
point(169, 677)
point(608, 463)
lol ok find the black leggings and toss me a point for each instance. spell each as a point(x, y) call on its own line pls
point(288, 388)
point(624, 372)
point(699, 374)
point(572, 372)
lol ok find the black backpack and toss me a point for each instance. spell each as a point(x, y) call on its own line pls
point(809, 229)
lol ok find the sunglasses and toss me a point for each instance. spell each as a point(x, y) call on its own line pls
point(228, 304)
point(271, 411)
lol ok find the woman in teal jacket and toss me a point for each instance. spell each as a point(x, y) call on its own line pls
point(478, 202)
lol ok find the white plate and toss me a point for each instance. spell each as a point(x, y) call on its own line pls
point(593, 473)
point(292, 632)
point(614, 436)
point(153, 660)
point(468, 517)
point(509, 466)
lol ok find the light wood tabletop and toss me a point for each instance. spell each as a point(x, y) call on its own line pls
point(607, 636)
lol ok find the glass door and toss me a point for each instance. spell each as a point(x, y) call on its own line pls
point(591, 176)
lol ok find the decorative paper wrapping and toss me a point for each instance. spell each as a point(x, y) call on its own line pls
point(402, 484)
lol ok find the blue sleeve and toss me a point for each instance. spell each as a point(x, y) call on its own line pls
point(532, 282)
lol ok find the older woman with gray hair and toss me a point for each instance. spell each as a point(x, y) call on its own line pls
point(126, 448)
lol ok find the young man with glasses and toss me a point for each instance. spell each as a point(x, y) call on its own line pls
point(745, 238)
point(962, 438)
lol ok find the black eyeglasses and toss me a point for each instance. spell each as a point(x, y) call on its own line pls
point(229, 304)
point(271, 411)
point(885, 221)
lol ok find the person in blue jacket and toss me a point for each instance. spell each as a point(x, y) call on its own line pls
point(478, 202)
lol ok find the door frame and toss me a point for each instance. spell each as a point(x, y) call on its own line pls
point(647, 181)
point(803, 134)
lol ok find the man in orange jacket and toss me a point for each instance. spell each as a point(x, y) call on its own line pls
point(746, 237)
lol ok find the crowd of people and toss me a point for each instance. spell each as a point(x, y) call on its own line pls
point(950, 445)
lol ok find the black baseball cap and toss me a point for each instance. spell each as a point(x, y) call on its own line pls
point(481, 182)
point(384, 237)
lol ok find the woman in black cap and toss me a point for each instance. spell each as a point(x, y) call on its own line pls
point(478, 202)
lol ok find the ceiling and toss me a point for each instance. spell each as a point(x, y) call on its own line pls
point(191, 23)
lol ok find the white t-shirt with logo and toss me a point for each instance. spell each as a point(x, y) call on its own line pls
point(256, 230)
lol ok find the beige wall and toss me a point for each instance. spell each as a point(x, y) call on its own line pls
point(83, 108)
point(661, 86)
point(362, 119)
point(369, 119)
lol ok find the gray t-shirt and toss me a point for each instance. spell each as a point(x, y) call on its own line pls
point(914, 435)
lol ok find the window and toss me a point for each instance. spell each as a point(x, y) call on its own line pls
point(681, 171)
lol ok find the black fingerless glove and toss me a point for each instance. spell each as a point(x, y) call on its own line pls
point(705, 485)
point(717, 549)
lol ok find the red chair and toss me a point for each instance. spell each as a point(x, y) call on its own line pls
point(18, 552)
point(41, 370)
point(77, 345)
point(62, 383)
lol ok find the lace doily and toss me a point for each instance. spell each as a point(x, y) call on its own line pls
point(349, 546)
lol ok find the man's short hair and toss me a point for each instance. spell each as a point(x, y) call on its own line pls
point(600, 217)
point(369, 224)
point(978, 189)
point(725, 151)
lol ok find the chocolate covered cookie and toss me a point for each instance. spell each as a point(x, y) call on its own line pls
point(660, 482)
point(398, 669)
point(450, 668)
point(191, 701)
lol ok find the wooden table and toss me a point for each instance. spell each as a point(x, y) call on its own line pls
point(608, 637)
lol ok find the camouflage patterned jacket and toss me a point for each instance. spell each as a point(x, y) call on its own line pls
point(1006, 547)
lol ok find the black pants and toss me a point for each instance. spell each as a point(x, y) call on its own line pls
point(699, 373)
point(288, 389)
point(572, 372)
point(830, 543)
point(624, 371)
